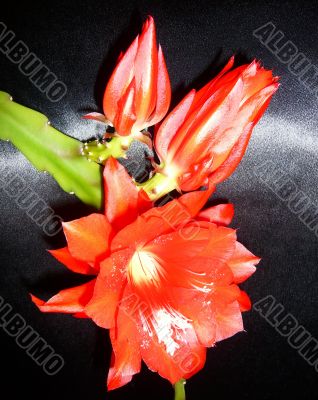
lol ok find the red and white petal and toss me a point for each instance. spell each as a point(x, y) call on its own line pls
point(146, 68)
point(246, 114)
point(67, 301)
point(258, 103)
point(119, 81)
point(169, 346)
point(195, 141)
point(196, 306)
point(169, 127)
point(193, 263)
point(88, 237)
point(163, 91)
point(126, 114)
point(255, 79)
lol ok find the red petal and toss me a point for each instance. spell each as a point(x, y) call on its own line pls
point(256, 78)
point(68, 301)
point(260, 101)
point(202, 258)
point(194, 201)
point(126, 114)
point(195, 305)
point(123, 201)
point(88, 237)
point(244, 301)
point(204, 93)
point(221, 244)
point(159, 220)
point(242, 263)
point(228, 321)
point(146, 67)
point(171, 124)
point(108, 289)
point(196, 175)
point(80, 315)
point(224, 295)
point(126, 360)
point(119, 81)
point(195, 140)
point(247, 113)
point(64, 256)
point(222, 214)
point(173, 353)
point(163, 91)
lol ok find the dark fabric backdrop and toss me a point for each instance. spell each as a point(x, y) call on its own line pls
point(79, 41)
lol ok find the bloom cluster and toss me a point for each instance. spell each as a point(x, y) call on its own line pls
point(165, 277)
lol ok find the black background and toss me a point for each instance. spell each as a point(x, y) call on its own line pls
point(80, 41)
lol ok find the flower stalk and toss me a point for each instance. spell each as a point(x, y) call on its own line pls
point(179, 390)
point(99, 150)
point(158, 186)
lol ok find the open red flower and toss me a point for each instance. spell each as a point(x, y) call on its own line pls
point(138, 92)
point(206, 135)
point(167, 277)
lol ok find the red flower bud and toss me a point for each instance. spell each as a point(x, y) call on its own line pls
point(206, 135)
point(138, 92)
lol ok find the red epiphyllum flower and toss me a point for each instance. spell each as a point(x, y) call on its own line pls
point(138, 92)
point(206, 135)
point(167, 277)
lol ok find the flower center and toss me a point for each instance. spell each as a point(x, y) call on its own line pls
point(144, 269)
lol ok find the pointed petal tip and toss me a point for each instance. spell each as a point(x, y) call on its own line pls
point(111, 164)
point(95, 116)
point(150, 20)
point(257, 260)
point(149, 25)
point(230, 62)
point(64, 256)
point(115, 382)
point(38, 302)
point(244, 301)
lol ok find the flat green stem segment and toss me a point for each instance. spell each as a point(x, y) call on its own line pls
point(50, 150)
point(179, 390)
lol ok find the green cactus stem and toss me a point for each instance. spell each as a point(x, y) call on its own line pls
point(50, 150)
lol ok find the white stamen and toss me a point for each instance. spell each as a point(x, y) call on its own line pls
point(167, 323)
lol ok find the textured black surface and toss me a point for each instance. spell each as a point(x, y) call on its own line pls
point(80, 41)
